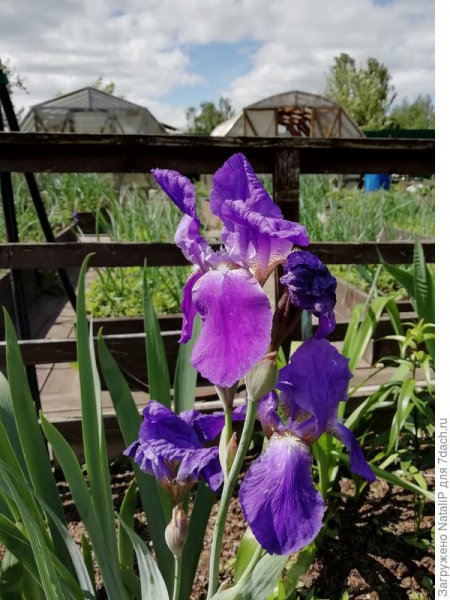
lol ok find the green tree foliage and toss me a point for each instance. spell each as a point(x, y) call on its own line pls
point(108, 87)
point(418, 114)
point(15, 82)
point(203, 120)
point(364, 92)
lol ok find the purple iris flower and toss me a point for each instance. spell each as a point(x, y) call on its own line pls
point(278, 496)
point(311, 287)
point(172, 448)
point(225, 287)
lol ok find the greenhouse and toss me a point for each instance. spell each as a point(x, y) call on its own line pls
point(91, 111)
point(296, 114)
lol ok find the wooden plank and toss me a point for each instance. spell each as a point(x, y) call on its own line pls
point(128, 254)
point(286, 183)
point(126, 346)
point(84, 153)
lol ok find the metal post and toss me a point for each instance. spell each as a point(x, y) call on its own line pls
point(35, 194)
point(18, 289)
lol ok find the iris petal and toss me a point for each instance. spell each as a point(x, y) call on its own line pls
point(267, 414)
point(203, 462)
point(188, 308)
point(278, 497)
point(315, 381)
point(255, 234)
point(358, 464)
point(208, 427)
point(311, 287)
point(179, 189)
point(230, 343)
point(187, 237)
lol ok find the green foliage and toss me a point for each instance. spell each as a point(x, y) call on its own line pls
point(132, 217)
point(365, 92)
point(108, 87)
point(203, 120)
point(63, 195)
point(418, 114)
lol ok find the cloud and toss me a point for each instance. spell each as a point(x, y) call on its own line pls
point(143, 45)
point(300, 44)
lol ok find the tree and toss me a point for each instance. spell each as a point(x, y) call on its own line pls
point(365, 92)
point(203, 120)
point(104, 86)
point(418, 114)
point(15, 82)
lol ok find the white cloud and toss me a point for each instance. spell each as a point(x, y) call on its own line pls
point(141, 45)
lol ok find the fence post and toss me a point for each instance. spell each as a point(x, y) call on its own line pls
point(286, 182)
point(286, 193)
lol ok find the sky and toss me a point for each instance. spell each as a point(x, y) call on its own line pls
point(168, 55)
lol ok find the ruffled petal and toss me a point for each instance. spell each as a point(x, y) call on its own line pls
point(208, 427)
point(255, 234)
point(278, 497)
point(236, 327)
point(315, 381)
point(236, 180)
point(187, 237)
point(267, 414)
point(311, 287)
point(188, 308)
point(358, 464)
point(163, 425)
point(179, 189)
point(201, 463)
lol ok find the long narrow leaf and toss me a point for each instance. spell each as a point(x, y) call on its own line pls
point(152, 582)
point(47, 572)
point(92, 424)
point(88, 514)
point(129, 422)
point(258, 584)
point(126, 553)
point(424, 292)
point(406, 280)
point(185, 374)
point(402, 412)
point(247, 548)
point(157, 369)
point(203, 503)
point(9, 423)
point(392, 478)
point(31, 439)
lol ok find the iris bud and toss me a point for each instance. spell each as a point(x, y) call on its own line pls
point(227, 395)
point(231, 451)
point(176, 531)
point(262, 378)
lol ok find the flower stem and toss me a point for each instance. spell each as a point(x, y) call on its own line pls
point(227, 494)
point(228, 425)
point(177, 579)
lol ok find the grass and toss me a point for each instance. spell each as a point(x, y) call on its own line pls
point(334, 213)
point(62, 196)
point(133, 217)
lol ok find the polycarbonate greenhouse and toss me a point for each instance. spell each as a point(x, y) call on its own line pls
point(91, 111)
point(296, 114)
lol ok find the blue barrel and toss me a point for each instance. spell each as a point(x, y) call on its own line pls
point(374, 182)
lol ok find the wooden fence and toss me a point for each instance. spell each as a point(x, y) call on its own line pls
point(285, 158)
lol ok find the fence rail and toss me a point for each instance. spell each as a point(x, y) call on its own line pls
point(285, 158)
point(130, 254)
point(82, 153)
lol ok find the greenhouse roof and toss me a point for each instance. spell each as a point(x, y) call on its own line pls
point(89, 110)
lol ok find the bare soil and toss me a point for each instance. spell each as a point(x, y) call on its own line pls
point(370, 553)
point(374, 550)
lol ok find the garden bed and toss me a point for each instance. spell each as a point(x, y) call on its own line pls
point(376, 554)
